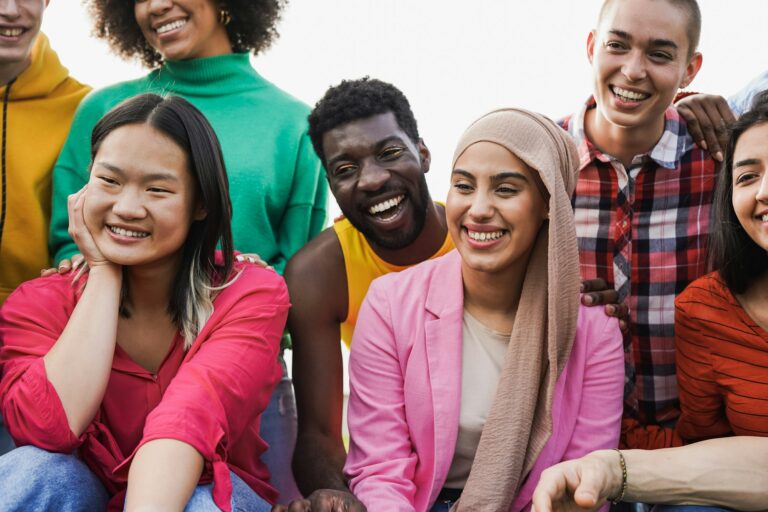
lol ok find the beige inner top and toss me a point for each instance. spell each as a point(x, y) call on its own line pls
point(482, 354)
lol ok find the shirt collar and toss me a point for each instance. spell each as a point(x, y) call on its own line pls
point(667, 153)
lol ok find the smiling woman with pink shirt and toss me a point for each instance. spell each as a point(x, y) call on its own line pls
point(144, 377)
point(473, 372)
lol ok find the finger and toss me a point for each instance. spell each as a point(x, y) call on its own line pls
point(299, 506)
point(589, 285)
point(64, 266)
point(588, 489)
point(716, 130)
point(278, 508)
point(692, 122)
point(48, 272)
point(77, 260)
point(623, 326)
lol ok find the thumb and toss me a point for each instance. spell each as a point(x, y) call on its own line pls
point(588, 491)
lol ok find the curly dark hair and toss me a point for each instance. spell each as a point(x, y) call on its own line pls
point(358, 99)
point(252, 27)
point(732, 252)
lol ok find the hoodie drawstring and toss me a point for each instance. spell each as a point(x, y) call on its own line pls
point(2, 157)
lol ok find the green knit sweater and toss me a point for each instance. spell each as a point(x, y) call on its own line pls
point(276, 181)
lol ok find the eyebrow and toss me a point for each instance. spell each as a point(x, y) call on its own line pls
point(496, 178)
point(654, 42)
point(747, 161)
point(379, 145)
point(155, 176)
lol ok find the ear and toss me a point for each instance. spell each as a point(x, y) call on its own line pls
point(691, 70)
point(426, 157)
point(591, 40)
point(200, 212)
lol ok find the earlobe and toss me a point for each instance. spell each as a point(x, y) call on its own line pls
point(200, 214)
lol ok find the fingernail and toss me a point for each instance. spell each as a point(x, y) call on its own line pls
point(581, 287)
point(611, 309)
point(588, 300)
point(719, 156)
point(703, 144)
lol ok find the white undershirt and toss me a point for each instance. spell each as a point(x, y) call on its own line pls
point(482, 359)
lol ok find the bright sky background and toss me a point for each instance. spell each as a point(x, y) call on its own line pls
point(453, 60)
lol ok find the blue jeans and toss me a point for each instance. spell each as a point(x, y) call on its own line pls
point(32, 479)
point(442, 507)
point(278, 429)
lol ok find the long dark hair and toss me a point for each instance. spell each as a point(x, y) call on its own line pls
point(195, 280)
point(737, 257)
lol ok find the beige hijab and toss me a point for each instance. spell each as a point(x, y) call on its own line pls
point(520, 420)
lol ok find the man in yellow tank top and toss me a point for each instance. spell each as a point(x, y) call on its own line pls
point(366, 136)
point(375, 161)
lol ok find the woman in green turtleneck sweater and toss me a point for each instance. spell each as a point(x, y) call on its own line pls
point(199, 50)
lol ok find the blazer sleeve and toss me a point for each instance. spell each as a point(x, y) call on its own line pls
point(31, 321)
point(599, 419)
point(381, 463)
point(227, 377)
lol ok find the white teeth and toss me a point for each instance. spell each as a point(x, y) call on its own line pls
point(629, 95)
point(127, 232)
point(765, 217)
point(162, 29)
point(385, 205)
point(484, 236)
point(11, 32)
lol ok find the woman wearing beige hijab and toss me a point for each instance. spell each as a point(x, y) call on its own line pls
point(472, 373)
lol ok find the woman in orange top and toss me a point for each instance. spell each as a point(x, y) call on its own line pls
point(721, 323)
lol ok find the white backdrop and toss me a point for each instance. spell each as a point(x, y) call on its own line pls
point(454, 60)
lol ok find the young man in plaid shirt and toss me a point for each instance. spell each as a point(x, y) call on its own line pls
point(644, 191)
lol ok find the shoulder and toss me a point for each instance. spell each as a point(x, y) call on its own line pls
point(320, 260)
point(51, 296)
point(291, 108)
point(704, 293)
point(100, 101)
point(418, 280)
point(255, 286)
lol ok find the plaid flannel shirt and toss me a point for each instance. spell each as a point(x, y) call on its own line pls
point(644, 229)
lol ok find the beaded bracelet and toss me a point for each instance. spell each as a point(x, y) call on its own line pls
point(623, 478)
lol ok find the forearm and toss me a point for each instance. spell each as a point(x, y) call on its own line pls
point(163, 476)
point(318, 463)
point(79, 363)
point(729, 472)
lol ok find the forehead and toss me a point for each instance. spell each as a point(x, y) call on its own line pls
point(753, 143)
point(142, 149)
point(488, 157)
point(363, 135)
point(646, 21)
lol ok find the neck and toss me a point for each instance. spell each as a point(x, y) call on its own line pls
point(150, 286)
point(493, 297)
point(755, 300)
point(623, 143)
point(428, 242)
point(10, 71)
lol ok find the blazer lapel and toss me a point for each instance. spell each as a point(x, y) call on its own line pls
point(443, 336)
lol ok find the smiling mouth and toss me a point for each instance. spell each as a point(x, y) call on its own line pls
point(485, 236)
point(168, 27)
point(764, 217)
point(629, 96)
point(11, 32)
point(127, 232)
point(387, 210)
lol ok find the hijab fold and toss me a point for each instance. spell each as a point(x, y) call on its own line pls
point(519, 423)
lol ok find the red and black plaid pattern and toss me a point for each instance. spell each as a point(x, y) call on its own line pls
point(644, 229)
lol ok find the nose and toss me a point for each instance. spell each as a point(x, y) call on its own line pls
point(634, 66)
point(9, 9)
point(129, 205)
point(159, 6)
point(762, 190)
point(372, 177)
point(481, 208)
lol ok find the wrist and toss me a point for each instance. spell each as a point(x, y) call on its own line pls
point(610, 465)
point(105, 270)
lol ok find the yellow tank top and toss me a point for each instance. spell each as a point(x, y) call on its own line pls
point(363, 265)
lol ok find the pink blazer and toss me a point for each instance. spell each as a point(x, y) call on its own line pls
point(405, 379)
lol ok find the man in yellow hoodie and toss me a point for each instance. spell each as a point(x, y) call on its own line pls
point(38, 99)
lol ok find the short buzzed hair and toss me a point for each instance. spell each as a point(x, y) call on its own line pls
point(691, 8)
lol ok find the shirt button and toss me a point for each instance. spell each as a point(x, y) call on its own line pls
point(154, 376)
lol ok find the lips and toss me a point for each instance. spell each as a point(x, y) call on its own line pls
point(629, 96)
point(11, 31)
point(130, 233)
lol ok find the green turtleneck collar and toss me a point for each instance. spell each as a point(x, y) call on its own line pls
point(230, 72)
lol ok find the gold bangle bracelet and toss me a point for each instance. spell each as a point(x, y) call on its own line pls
point(623, 490)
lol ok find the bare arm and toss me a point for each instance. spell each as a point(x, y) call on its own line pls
point(317, 284)
point(707, 117)
point(727, 472)
point(79, 363)
point(163, 476)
